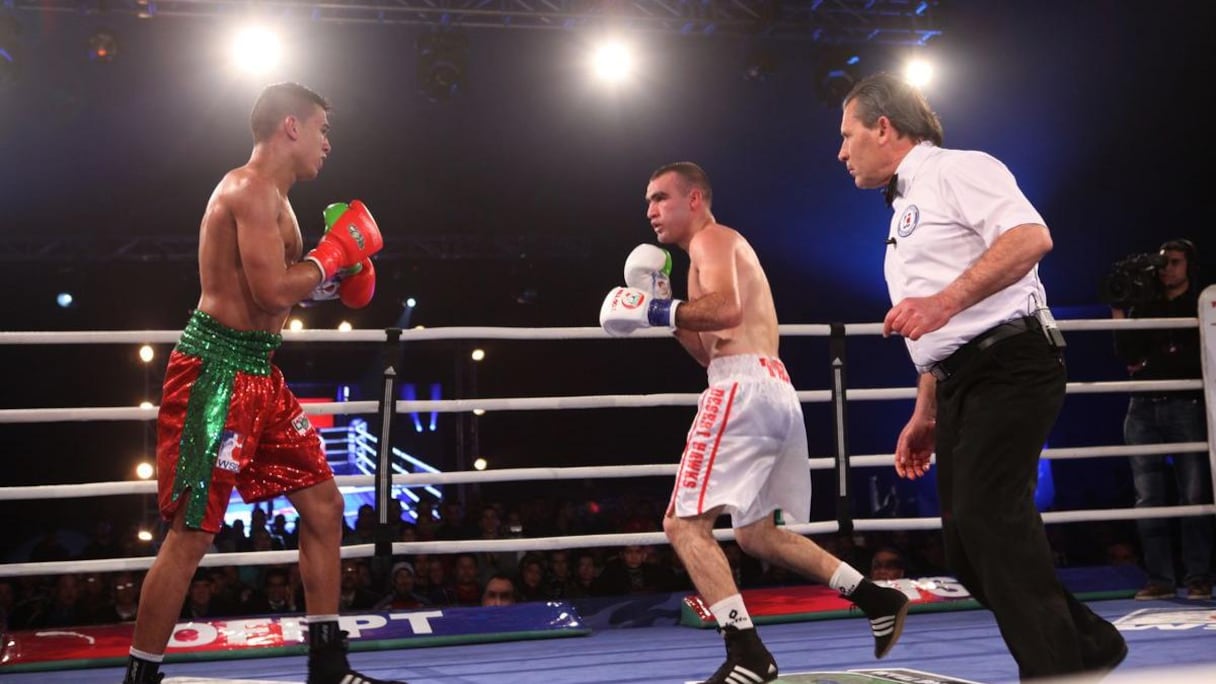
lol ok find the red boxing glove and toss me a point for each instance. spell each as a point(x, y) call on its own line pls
point(353, 237)
point(356, 291)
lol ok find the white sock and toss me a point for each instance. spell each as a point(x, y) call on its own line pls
point(845, 579)
point(150, 657)
point(730, 612)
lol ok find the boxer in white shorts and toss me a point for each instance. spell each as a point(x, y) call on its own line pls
point(746, 450)
point(746, 453)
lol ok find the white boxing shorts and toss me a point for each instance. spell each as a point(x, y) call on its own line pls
point(746, 450)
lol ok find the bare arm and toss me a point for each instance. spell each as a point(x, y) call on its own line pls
point(917, 440)
point(719, 307)
point(1009, 258)
point(274, 286)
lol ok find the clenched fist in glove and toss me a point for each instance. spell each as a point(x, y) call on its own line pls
point(648, 269)
point(626, 309)
point(351, 236)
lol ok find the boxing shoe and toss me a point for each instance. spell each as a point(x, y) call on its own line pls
point(142, 672)
point(886, 608)
point(327, 664)
point(747, 660)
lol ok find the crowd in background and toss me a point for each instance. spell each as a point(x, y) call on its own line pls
point(475, 579)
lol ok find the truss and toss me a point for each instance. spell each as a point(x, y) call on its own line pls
point(900, 22)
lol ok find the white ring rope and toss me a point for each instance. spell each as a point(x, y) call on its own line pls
point(534, 474)
point(60, 415)
point(507, 333)
point(95, 489)
point(568, 542)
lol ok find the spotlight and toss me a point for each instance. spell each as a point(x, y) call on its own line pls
point(146, 353)
point(145, 471)
point(296, 325)
point(441, 64)
point(64, 300)
point(612, 61)
point(478, 354)
point(479, 464)
point(411, 302)
point(103, 46)
point(256, 50)
point(345, 326)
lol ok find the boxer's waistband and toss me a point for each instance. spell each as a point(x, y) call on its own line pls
point(248, 351)
point(750, 366)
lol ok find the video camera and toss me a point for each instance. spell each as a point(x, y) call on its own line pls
point(1133, 281)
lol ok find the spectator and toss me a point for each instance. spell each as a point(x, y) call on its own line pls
point(532, 586)
point(585, 574)
point(427, 527)
point(64, 608)
point(466, 586)
point(887, 564)
point(123, 603)
point(275, 598)
point(354, 595)
point(500, 591)
point(439, 591)
point(558, 579)
point(402, 595)
point(200, 601)
point(628, 573)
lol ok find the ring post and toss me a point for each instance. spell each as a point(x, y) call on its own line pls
point(844, 516)
point(1207, 343)
point(384, 459)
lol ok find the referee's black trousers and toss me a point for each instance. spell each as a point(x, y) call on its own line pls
point(993, 418)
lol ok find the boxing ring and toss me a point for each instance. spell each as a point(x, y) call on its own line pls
point(1171, 639)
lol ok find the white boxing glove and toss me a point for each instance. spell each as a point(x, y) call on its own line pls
point(648, 269)
point(626, 309)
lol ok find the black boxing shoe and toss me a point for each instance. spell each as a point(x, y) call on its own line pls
point(886, 608)
point(1107, 658)
point(142, 672)
point(747, 660)
point(327, 664)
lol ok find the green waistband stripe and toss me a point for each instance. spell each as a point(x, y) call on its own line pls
point(224, 353)
point(247, 351)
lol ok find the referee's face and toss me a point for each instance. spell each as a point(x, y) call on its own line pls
point(860, 151)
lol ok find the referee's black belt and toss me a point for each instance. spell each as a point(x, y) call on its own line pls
point(942, 370)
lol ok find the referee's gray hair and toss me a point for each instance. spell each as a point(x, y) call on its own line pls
point(889, 95)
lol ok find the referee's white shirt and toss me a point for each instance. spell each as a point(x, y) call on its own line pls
point(950, 207)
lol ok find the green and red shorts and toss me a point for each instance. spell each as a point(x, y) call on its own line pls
point(227, 419)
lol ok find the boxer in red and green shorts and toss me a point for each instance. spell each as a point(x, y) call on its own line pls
point(227, 419)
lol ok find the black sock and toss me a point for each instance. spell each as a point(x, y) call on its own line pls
point(322, 634)
point(140, 671)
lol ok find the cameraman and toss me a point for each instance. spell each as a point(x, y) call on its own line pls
point(1169, 354)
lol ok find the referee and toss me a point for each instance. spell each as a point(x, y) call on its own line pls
point(962, 271)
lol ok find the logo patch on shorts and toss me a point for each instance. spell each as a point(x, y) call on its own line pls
point(301, 424)
point(229, 457)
